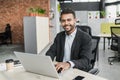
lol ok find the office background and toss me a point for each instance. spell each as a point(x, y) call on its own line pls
point(13, 12)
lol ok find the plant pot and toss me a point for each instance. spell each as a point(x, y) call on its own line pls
point(31, 14)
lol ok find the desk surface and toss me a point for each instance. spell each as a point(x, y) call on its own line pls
point(20, 74)
point(104, 35)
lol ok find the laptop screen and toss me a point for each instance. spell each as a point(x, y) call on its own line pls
point(39, 64)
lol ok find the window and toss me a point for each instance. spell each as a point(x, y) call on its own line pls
point(86, 0)
point(111, 11)
point(94, 0)
point(118, 10)
point(110, 1)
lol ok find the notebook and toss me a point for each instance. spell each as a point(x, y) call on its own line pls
point(39, 64)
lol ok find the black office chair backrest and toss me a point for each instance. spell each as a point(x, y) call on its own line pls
point(115, 34)
point(95, 51)
point(85, 28)
point(95, 42)
point(119, 45)
point(6, 36)
point(115, 31)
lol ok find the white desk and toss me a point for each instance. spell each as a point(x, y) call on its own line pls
point(104, 36)
point(20, 74)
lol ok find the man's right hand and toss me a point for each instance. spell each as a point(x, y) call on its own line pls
point(62, 65)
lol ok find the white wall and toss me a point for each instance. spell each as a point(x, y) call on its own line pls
point(95, 25)
point(82, 16)
point(55, 21)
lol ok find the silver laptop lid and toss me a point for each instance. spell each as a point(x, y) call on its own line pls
point(39, 64)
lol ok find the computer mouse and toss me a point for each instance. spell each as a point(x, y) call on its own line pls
point(59, 71)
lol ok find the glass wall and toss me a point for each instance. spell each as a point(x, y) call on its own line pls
point(112, 10)
point(110, 1)
point(93, 0)
point(86, 0)
point(118, 10)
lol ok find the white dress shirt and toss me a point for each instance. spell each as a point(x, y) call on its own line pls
point(67, 50)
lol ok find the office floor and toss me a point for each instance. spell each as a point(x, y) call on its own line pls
point(7, 51)
point(111, 72)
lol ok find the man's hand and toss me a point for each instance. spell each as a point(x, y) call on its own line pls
point(63, 65)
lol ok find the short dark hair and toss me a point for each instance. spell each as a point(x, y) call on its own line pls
point(67, 11)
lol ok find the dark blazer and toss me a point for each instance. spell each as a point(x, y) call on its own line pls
point(80, 52)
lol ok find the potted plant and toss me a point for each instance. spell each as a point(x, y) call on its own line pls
point(102, 14)
point(89, 15)
point(36, 11)
point(31, 11)
point(40, 11)
point(96, 16)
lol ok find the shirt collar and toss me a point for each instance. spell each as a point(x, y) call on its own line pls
point(73, 33)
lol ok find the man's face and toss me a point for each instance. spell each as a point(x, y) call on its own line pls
point(68, 22)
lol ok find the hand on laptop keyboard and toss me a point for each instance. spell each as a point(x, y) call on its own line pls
point(62, 66)
point(59, 71)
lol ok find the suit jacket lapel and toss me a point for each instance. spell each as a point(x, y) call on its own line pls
point(62, 46)
point(74, 43)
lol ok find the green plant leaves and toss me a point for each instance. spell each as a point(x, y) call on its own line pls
point(36, 10)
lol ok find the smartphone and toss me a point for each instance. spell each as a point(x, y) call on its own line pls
point(78, 78)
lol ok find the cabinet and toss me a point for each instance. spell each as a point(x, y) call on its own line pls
point(36, 34)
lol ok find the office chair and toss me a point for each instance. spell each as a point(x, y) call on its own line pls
point(95, 53)
point(85, 28)
point(6, 37)
point(115, 44)
point(95, 43)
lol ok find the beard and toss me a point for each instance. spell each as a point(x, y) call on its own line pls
point(69, 28)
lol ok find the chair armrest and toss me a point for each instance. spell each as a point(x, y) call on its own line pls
point(118, 44)
point(94, 71)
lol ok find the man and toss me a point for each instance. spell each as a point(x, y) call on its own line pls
point(72, 47)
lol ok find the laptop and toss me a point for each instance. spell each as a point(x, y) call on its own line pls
point(39, 64)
